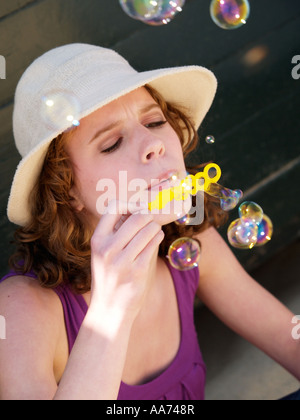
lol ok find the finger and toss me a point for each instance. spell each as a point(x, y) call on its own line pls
point(133, 208)
point(130, 228)
point(144, 257)
point(141, 240)
point(114, 212)
point(121, 222)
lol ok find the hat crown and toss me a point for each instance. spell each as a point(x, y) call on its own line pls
point(94, 76)
point(74, 69)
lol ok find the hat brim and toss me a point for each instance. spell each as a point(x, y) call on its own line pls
point(191, 87)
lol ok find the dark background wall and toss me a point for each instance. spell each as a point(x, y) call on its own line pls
point(255, 117)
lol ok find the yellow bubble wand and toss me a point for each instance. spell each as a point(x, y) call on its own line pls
point(189, 186)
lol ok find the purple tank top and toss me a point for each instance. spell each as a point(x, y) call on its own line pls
point(184, 379)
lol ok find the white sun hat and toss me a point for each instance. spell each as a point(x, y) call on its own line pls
point(95, 76)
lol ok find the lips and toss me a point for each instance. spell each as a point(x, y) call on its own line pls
point(164, 180)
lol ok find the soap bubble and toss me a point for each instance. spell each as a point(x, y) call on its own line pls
point(253, 228)
point(242, 235)
point(229, 199)
point(141, 9)
point(265, 231)
point(184, 254)
point(229, 14)
point(210, 139)
point(152, 12)
point(250, 211)
point(183, 221)
point(60, 110)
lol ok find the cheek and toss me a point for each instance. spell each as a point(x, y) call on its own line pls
point(87, 180)
point(106, 190)
point(110, 187)
point(132, 192)
point(173, 144)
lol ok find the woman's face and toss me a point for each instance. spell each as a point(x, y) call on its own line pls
point(119, 150)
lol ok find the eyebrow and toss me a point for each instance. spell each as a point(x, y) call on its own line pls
point(115, 124)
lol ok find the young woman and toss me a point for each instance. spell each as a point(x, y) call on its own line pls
point(93, 308)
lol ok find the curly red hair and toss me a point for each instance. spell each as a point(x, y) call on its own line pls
point(55, 245)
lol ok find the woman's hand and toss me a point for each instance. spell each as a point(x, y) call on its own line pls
point(122, 249)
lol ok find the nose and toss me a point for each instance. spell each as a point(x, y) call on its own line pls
point(152, 146)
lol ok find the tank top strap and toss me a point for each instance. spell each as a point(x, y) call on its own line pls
point(75, 309)
point(186, 283)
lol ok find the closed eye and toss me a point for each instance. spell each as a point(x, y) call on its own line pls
point(156, 124)
point(114, 147)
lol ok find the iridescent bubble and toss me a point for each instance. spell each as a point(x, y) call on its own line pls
point(265, 231)
point(183, 221)
point(251, 212)
point(242, 235)
point(230, 14)
point(60, 110)
point(184, 254)
point(152, 12)
point(210, 139)
point(141, 9)
point(229, 199)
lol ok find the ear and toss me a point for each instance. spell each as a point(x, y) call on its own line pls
point(76, 200)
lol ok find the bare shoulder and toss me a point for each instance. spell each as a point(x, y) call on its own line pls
point(34, 323)
point(210, 236)
point(27, 306)
point(23, 292)
point(216, 255)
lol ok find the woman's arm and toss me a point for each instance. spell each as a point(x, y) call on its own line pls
point(96, 363)
point(119, 284)
point(244, 305)
point(33, 326)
